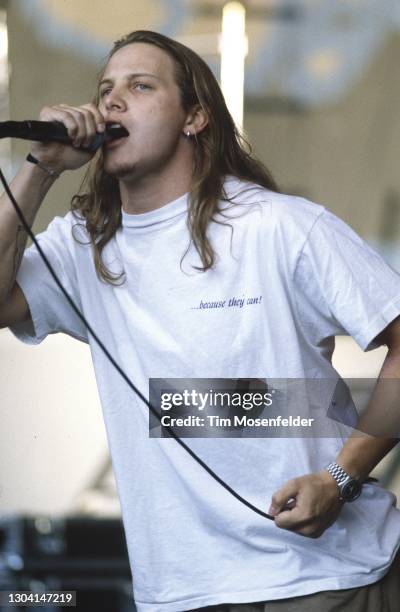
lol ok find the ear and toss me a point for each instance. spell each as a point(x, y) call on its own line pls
point(196, 121)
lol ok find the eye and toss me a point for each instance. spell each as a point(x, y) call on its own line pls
point(104, 92)
point(141, 86)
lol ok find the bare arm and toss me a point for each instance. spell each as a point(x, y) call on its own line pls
point(29, 188)
point(317, 495)
point(378, 429)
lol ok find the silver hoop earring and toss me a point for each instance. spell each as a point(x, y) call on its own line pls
point(188, 134)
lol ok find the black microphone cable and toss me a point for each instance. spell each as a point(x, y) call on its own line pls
point(117, 366)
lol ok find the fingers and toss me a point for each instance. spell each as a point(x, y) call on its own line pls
point(315, 507)
point(283, 496)
point(304, 522)
point(82, 122)
point(93, 118)
point(294, 519)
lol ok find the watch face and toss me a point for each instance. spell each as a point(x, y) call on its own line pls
point(351, 490)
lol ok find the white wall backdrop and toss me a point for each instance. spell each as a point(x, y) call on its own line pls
point(52, 437)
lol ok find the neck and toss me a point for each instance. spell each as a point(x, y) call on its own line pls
point(151, 190)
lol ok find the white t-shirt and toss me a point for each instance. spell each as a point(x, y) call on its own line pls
point(192, 544)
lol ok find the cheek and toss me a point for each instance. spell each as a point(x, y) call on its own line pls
point(167, 113)
point(162, 125)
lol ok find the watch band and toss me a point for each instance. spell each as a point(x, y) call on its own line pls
point(337, 472)
point(349, 487)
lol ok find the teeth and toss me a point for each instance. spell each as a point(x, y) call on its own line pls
point(115, 125)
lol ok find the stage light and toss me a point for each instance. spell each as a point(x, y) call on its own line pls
point(233, 49)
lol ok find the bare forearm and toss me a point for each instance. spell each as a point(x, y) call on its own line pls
point(360, 455)
point(317, 502)
point(32, 182)
point(29, 188)
point(378, 429)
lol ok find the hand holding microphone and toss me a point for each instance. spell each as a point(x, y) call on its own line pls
point(65, 137)
point(82, 124)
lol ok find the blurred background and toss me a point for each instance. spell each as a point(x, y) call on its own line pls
point(314, 84)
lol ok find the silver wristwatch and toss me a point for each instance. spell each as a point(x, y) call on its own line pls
point(349, 488)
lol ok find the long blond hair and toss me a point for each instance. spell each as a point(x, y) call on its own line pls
point(220, 151)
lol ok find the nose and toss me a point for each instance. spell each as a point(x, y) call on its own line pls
point(115, 100)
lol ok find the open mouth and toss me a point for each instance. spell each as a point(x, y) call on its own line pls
point(115, 131)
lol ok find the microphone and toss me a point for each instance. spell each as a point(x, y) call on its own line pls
point(49, 131)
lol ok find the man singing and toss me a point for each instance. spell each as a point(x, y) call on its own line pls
point(176, 214)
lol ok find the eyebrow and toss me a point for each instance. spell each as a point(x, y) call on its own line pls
point(129, 77)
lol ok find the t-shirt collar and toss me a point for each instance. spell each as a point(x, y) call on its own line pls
point(173, 209)
point(157, 216)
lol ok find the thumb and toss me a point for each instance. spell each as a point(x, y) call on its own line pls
point(282, 497)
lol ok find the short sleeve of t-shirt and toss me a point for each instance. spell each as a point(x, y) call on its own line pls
point(49, 308)
point(343, 287)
